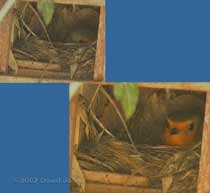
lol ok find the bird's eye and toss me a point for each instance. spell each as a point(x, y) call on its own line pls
point(174, 131)
point(191, 127)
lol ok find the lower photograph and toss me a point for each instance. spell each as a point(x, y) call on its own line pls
point(140, 137)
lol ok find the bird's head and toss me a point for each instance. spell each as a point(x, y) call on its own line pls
point(182, 129)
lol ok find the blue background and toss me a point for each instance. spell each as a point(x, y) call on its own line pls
point(33, 136)
point(165, 40)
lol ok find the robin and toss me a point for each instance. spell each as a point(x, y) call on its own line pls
point(182, 129)
point(173, 120)
point(184, 121)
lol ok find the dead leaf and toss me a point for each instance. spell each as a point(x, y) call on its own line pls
point(73, 69)
point(166, 183)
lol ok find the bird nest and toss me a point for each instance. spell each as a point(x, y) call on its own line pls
point(174, 169)
point(104, 145)
point(69, 41)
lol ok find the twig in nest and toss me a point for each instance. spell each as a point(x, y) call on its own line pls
point(86, 62)
point(94, 96)
point(81, 62)
point(91, 159)
point(195, 146)
point(93, 116)
point(28, 28)
point(24, 53)
point(43, 26)
point(120, 116)
point(41, 22)
point(24, 9)
point(84, 116)
point(100, 123)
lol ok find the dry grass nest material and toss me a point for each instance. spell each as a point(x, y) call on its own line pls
point(154, 162)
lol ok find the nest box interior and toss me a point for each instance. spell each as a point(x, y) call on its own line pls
point(155, 108)
point(166, 132)
point(63, 49)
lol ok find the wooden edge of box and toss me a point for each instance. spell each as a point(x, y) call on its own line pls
point(19, 79)
point(99, 67)
point(5, 34)
point(115, 178)
point(188, 86)
point(73, 114)
point(104, 188)
point(79, 2)
point(42, 74)
point(38, 65)
point(204, 169)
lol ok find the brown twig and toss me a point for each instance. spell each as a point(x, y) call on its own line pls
point(24, 9)
point(28, 28)
point(100, 123)
point(93, 116)
point(120, 116)
point(41, 22)
point(91, 159)
point(24, 53)
point(44, 28)
point(94, 96)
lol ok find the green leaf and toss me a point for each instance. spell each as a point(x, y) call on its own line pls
point(46, 8)
point(127, 94)
point(119, 90)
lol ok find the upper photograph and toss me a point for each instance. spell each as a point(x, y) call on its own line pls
point(52, 41)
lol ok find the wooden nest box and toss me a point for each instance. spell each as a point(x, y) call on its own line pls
point(102, 182)
point(33, 70)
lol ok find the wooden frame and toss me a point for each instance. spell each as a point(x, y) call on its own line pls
point(116, 183)
point(79, 2)
point(6, 30)
point(5, 33)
